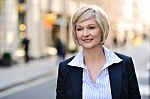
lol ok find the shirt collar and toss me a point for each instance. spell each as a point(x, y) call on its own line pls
point(111, 58)
point(77, 60)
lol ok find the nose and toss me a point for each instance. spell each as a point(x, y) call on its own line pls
point(85, 32)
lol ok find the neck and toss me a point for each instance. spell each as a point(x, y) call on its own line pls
point(94, 55)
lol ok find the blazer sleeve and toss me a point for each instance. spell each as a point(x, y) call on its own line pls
point(134, 92)
point(61, 82)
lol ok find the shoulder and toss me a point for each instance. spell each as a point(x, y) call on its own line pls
point(63, 67)
point(126, 61)
point(64, 64)
point(66, 61)
point(123, 56)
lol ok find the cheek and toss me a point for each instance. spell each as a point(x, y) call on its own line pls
point(78, 35)
point(98, 36)
point(78, 38)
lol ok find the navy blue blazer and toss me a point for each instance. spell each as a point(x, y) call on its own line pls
point(122, 76)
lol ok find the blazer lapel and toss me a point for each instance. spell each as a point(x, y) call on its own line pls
point(76, 81)
point(115, 75)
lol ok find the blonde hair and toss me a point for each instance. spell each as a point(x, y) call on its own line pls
point(88, 12)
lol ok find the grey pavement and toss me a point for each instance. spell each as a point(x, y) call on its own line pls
point(24, 72)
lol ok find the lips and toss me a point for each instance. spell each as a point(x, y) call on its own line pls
point(87, 40)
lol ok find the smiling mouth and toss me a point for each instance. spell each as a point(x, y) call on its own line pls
point(87, 40)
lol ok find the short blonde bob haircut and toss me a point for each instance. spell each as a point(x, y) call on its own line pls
point(88, 12)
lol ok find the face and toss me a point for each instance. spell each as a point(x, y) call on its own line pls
point(88, 33)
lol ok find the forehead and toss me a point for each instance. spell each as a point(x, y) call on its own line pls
point(84, 14)
point(91, 21)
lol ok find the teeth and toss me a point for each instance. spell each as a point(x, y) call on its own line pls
point(87, 40)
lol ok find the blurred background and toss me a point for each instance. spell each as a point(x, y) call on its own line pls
point(29, 30)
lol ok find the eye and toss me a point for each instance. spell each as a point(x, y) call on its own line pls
point(79, 29)
point(91, 27)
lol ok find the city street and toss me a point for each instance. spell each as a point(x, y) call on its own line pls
point(44, 87)
point(35, 35)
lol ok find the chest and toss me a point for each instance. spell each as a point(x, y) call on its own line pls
point(99, 88)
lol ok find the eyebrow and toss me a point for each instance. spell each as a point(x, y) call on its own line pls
point(91, 24)
point(87, 25)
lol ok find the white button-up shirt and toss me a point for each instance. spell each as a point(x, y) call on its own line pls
point(101, 88)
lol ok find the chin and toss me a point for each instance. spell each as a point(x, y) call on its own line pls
point(90, 46)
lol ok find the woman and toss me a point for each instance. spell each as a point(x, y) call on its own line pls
point(95, 72)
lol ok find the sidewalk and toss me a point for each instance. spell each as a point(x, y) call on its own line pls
point(21, 73)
